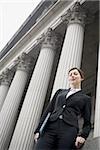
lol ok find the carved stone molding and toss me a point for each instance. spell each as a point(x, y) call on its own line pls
point(49, 39)
point(6, 77)
point(24, 62)
point(41, 38)
point(76, 14)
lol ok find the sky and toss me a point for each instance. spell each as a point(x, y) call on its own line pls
point(13, 13)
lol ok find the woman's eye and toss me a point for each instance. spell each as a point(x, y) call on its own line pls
point(75, 73)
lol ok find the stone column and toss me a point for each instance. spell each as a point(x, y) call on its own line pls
point(73, 44)
point(5, 80)
point(97, 107)
point(23, 138)
point(9, 111)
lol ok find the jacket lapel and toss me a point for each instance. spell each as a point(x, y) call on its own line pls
point(78, 92)
point(65, 92)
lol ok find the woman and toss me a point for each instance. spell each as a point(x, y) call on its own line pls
point(62, 131)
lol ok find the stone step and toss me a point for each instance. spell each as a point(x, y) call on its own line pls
point(92, 144)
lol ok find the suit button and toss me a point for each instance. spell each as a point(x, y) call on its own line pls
point(64, 106)
point(61, 117)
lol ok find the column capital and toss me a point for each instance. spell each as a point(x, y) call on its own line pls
point(24, 62)
point(6, 77)
point(76, 14)
point(49, 39)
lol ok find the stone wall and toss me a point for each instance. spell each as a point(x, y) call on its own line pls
point(92, 144)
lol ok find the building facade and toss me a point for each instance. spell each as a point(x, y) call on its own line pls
point(56, 36)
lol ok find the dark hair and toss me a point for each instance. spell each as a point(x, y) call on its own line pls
point(79, 70)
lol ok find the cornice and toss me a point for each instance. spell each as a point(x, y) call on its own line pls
point(30, 40)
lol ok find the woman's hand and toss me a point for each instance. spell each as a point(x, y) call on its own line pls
point(79, 141)
point(36, 137)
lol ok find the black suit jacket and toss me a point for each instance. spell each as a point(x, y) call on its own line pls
point(70, 108)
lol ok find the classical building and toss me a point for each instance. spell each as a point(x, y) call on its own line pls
point(58, 35)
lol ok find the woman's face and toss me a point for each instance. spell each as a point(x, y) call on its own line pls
point(74, 77)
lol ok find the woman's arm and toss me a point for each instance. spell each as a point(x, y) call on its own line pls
point(49, 108)
point(87, 119)
point(82, 136)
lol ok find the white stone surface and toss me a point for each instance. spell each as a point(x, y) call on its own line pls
point(97, 107)
point(23, 138)
point(3, 93)
point(73, 45)
point(9, 111)
point(70, 55)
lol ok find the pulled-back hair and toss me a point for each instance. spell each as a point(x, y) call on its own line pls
point(79, 70)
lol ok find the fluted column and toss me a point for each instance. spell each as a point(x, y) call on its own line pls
point(97, 107)
point(5, 80)
point(73, 44)
point(9, 111)
point(23, 138)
